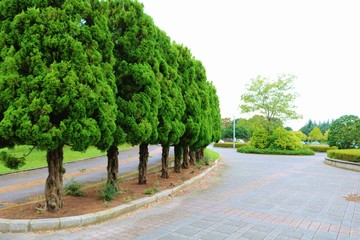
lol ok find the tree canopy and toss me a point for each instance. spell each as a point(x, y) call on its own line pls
point(272, 99)
point(345, 132)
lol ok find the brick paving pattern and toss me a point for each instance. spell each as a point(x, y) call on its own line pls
point(247, 197)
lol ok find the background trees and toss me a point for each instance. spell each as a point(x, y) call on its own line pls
point(345, 132)
point(272, 99)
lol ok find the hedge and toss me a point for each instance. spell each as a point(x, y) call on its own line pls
point(247, 149)
point(351, 155)
point(320, 148)
point(229, 145)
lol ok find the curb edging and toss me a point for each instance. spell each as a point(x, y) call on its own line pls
point(34, 225)
point(354, 166)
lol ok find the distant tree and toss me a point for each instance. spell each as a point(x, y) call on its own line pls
point(272, 99)
point(315, 134)
point(225, 122)
point(300, 135)
point(345, 132)
point(326, 135)
point(56, 81)
point(308, 127)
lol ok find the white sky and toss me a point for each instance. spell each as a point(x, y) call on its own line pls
point(236, 40)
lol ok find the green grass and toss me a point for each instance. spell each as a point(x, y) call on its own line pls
point(211, 155)
point(37, 158)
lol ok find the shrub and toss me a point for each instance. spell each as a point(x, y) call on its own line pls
point(73, 188)
point(260, 138)
point(109, 193)
point(229, 145)
point(249, 149)
point(284, 140)
point(320, 148)
point(352, 155)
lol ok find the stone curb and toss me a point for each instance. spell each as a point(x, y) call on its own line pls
point(34, 225)
point(354, 166)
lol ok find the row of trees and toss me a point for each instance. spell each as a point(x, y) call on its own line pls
point(99, 73)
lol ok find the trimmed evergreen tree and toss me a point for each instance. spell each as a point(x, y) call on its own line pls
point(56, 81)
point(134, 35)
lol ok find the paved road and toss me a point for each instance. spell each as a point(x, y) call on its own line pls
point(247, 197)
point(20, 187)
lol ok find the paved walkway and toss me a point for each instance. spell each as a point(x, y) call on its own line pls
point(247, 197)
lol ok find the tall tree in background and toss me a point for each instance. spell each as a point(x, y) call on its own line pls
point(138, 99)
point(56, 81)
point(272, 99)
point(316, 135)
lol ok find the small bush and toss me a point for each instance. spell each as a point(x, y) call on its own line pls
point(320, 148)
point(109, 193)
point(73, 188)
point(150, 191)
point(229, 145)
point(352, 155)
point(248, 149)
point(284, 140)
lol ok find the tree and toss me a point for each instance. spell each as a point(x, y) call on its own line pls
point(345, 132)
point(56, 81)
point(300, 135)
point(315, 134)
point(172, 107)
point(138, 99)
point(272, 99)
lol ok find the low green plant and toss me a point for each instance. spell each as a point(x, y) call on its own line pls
point(109, 193)
point(352, 155)
point(73, 188)
point(150, 191)
point(248, 149)
point(320, 148)
point(229, 145)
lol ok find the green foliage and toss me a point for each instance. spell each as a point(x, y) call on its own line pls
point(260, 138)
point(352, 155)
point(249, 149)
point(284, 140)
point(320, 148)
point(272, 99)
point(56, 79)
point(229, 145)
point(109, 193)
point(73, 188)
point(10, 161)
point(300, 135)
point(310, 125)
point(315, 134)
point(345, 132)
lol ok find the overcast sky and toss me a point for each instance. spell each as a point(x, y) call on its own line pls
point(236, 40)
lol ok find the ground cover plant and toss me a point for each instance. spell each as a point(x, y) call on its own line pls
point(352, 155)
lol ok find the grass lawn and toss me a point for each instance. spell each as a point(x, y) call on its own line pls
point(37, 158)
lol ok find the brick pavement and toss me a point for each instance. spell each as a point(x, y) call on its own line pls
point(247, 197)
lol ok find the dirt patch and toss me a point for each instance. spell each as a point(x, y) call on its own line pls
point(92, 201)
point(353, 197)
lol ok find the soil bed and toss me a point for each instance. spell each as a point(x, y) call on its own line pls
point(92, 202)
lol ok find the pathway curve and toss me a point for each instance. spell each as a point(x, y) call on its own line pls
point(247, 197)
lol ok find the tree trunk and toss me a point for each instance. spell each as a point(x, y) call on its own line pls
point(165, 161)
point(143, 160)
point(54, 182)
point(192, 157)
point(185, 163)
point(200, 155)
point(113, 165)
point(178, 153)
